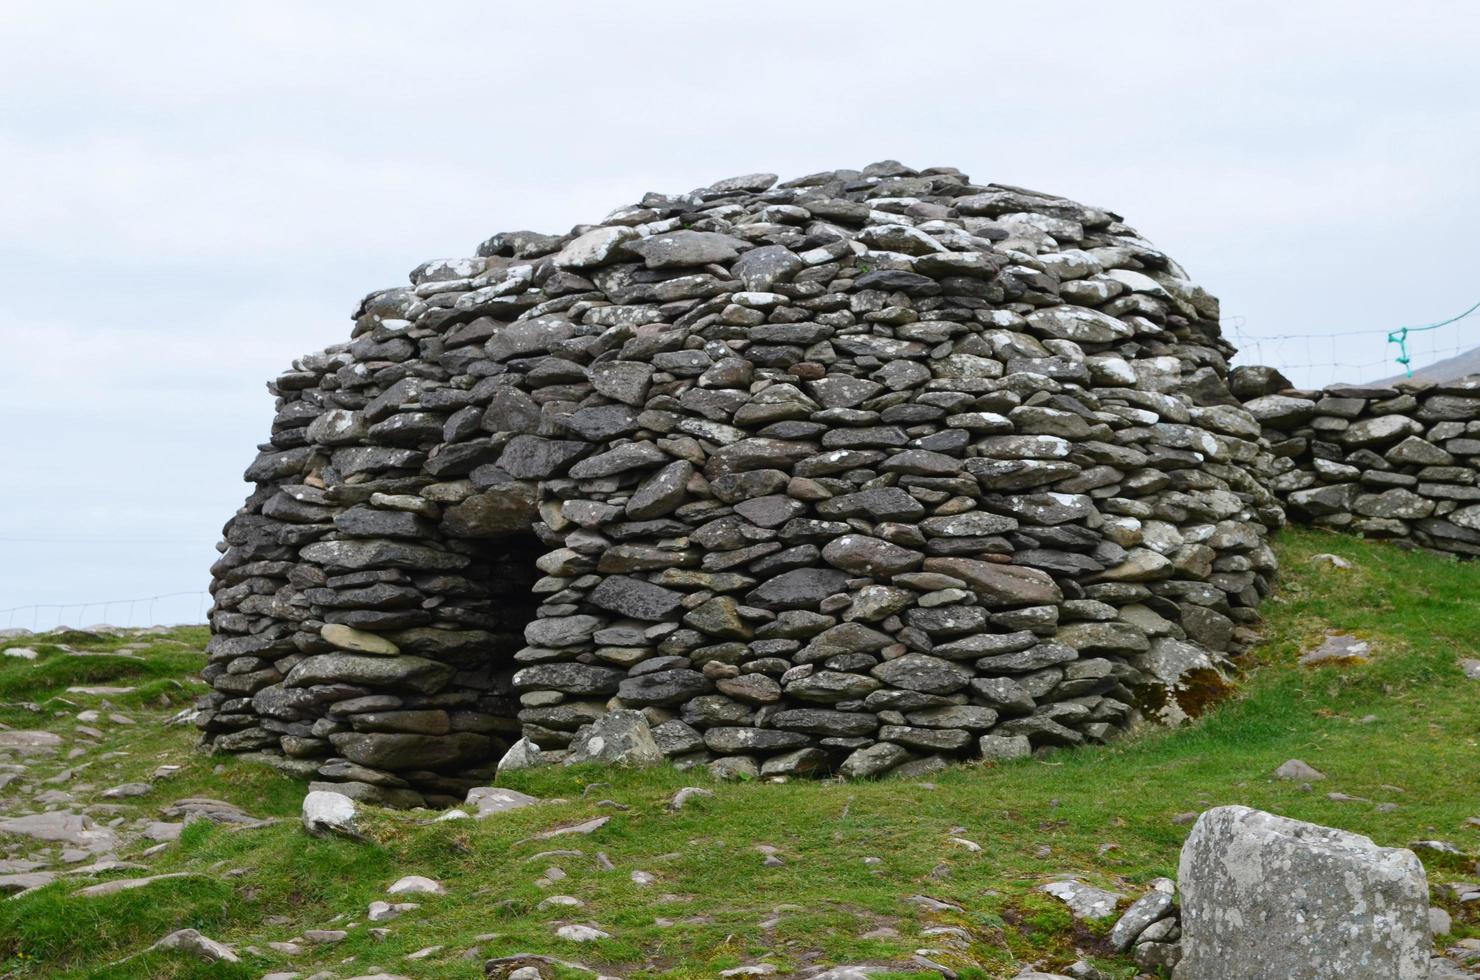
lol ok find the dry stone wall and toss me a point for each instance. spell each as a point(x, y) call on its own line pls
point(1396, 462)
point(853, 473)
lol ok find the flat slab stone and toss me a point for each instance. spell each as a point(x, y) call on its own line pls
point(26, 742)
point(1085, 901)
point(63, 827)
point(128, 884)
point(488, 800)
point(1337, 649)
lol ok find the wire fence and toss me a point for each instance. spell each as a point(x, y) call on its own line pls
point(40, 617)
point(1316, 360)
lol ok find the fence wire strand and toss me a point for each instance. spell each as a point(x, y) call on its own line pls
point(1331, 358)
point(54, 614)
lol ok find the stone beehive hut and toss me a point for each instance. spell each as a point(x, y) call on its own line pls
point(853, 472)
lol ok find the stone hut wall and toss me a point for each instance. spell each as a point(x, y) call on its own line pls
point(1400, 462)
point(860, 471)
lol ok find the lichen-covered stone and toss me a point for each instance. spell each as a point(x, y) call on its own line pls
point(1266, 896)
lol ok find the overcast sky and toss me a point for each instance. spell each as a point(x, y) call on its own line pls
point(196, 193)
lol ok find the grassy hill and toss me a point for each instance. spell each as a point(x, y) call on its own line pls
point(1400, 733)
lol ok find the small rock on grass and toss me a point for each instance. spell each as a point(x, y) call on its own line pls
point(1437, 846)
point(1297, 770)
point(126, 790)
point(684, 795)
point(488, 800)
point(581, 934)
point(586, 827)
point(385, 911)
point(1337, 649)
point(1085, 901)
point(128, 884)
point(416, 885)
point(201, 947)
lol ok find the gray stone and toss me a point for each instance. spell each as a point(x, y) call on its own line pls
point(864, 555)
point(201, 947)
point(802, 588)
point(999, 586)
point(1085, 901)
point(919, 672)
point(618, 738)
point(403, 750)
point(677, 249)
point(663, 687)
point(1004, 747)
point(1267, 896)
point(411, 673)
point(873, 760)
point(635, 598)
point(1379, 431)
point(1143, 911)
point(1298, 771)
point(569, 678)
point(485, 801)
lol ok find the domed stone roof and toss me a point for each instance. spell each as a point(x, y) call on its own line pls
point(851, 473)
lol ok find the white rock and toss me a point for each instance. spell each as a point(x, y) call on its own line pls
point(684, 795)
point(523, 754)
point(595, 247)
point(201, 947)
point(326, 812)
point(488, 800)
point(28, 742)
point(385, 911)
point(1085, 901)
point(129, 884)
point(416, 885)
point(1297, 770)
point(1266, 896)
point(581, 934)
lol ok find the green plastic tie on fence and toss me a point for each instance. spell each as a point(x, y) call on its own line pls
point(1400, 337)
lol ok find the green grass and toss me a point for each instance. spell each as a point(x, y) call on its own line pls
point(1403, 728)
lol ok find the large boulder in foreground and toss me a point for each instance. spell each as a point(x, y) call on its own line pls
point(1266, 896)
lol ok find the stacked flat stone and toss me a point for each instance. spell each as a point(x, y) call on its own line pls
point(1395, 462)
point(854, 473)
